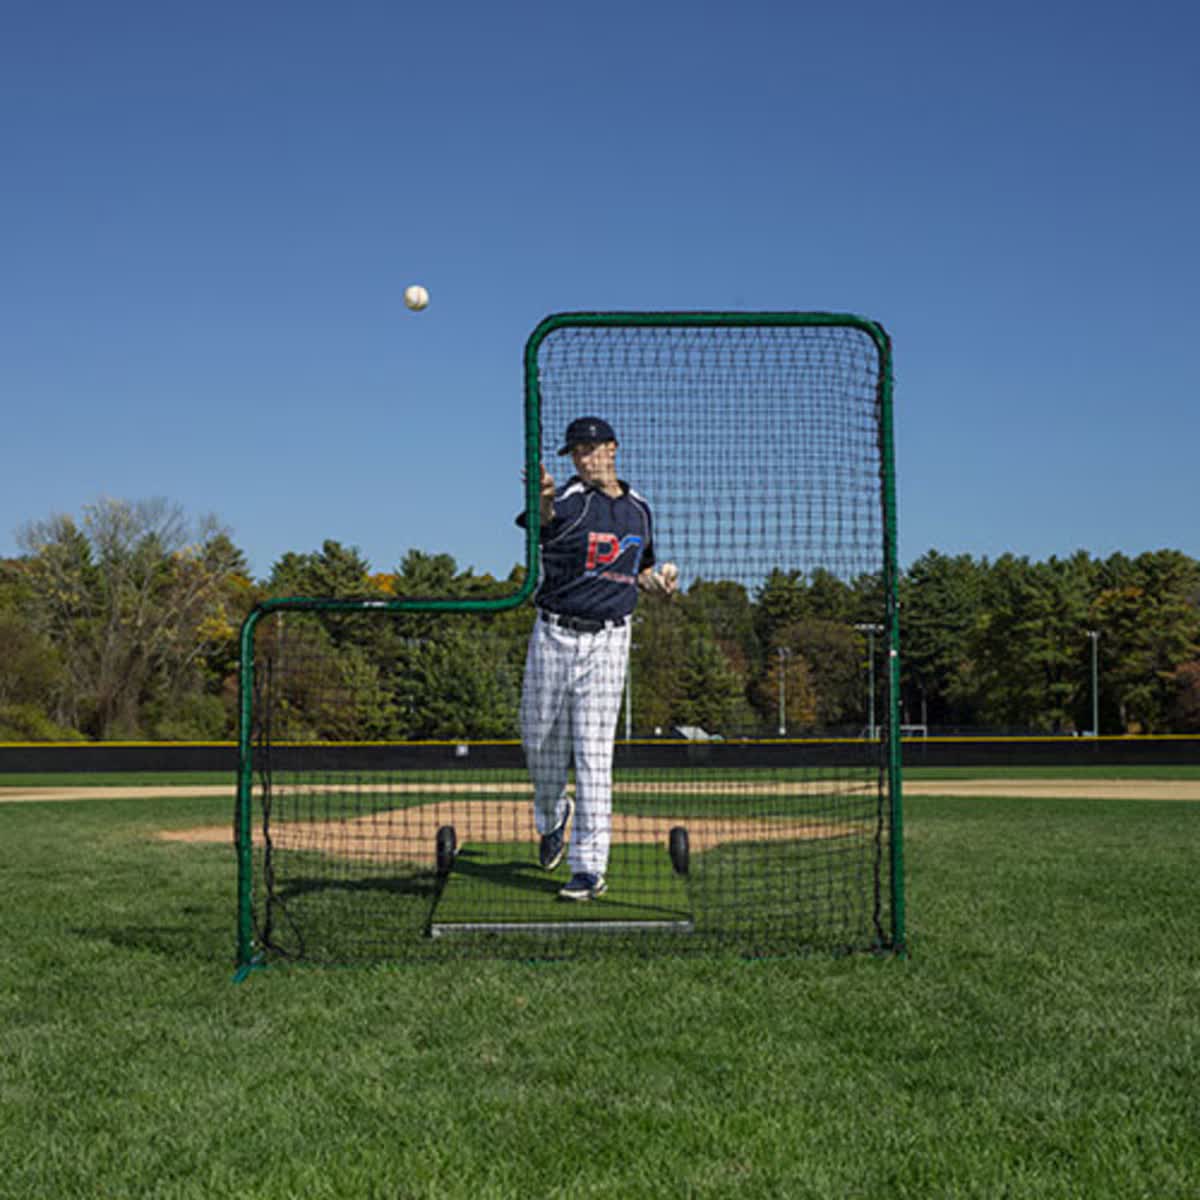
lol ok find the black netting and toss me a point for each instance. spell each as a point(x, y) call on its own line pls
point(634, 761)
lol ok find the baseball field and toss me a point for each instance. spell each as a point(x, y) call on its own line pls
point(1042, 1039)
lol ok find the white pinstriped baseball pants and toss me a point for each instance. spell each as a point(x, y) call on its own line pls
point(570, 702)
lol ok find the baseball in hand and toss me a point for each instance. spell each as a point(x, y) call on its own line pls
point(416, 297)
point(668, 573)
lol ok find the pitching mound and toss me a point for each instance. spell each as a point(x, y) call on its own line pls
point(409, 834)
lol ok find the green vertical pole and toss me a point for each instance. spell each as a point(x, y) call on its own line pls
point(533, 455)
point(892, 637)
point(242, 832)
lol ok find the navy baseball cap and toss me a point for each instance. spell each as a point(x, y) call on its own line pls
point(587, 429)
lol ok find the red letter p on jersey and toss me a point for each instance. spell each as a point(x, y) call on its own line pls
point(603, 548)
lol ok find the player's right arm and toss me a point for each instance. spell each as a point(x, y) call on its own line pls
point(546, 491)
point(547, 496)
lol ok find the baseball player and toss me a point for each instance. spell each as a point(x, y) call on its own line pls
point(597, 552)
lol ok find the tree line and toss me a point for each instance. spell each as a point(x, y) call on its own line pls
point(124, 624)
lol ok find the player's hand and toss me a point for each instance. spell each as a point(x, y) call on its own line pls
point(546, 486)
point(664, 582)
point(668, 578)
point(546, 493)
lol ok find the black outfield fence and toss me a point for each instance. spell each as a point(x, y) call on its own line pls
point(87, 758)
point(102, 757)
point(1051, 751)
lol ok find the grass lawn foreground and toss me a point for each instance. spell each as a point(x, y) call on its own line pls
point(1042, 1039)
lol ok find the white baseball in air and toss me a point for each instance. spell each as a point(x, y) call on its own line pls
point(416, 297)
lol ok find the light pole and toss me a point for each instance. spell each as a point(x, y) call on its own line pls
point(870, 630)
point(629, 691)
point(1094, 635)
point(783, 653)
point(628, 697)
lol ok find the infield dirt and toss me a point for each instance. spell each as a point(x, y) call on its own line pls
point(501, 812)
point(1065, 789)
point(412, 834)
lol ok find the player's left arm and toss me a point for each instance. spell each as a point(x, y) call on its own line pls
point(662, 582)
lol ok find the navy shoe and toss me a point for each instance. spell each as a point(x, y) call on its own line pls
point(553, 844)
point(583, 886)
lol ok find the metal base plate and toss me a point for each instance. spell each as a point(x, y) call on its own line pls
point(449, 929)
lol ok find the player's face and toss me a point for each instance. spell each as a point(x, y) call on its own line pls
point(595, 462)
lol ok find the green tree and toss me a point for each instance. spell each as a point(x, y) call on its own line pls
point(335, 571)
point(1185, 703)
point(834, 656)
point(784, 681)
point(319, 689)
point(866, 603)
point(126, 597)
point(724, 609)
point(1149, 620)
point(829, 598)
point(710, 694)
point(660, 642)
point(723, 612)
point(33, 675)
point(462, 683)
point(429, 576)
point(1030, 643)
point(941, 605)
point(780, 601)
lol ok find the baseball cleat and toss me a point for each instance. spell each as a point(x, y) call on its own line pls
point(550, 851)
point(583, 886)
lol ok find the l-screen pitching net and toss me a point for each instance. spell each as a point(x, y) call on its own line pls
point(733, 788)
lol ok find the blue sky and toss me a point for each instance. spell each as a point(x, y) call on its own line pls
point(209, 215)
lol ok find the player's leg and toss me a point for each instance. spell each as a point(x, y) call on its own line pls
point(546, 724)
point(598, 686)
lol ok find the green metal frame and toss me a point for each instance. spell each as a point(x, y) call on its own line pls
point(246, 956)
point(891, 571)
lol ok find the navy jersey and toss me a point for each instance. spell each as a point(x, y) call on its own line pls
point(592, 552)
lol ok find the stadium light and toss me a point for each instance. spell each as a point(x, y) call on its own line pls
point(1094, 635)
point(783, 653)
point(870, 630)
point(629, 691)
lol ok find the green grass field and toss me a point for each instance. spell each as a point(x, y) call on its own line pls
point(500, 881)
point(1042, 1040)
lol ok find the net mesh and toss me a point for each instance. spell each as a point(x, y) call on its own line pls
point(714, 758)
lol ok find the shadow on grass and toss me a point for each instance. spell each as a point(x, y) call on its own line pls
point(494, 884)
point(207, 940)
point(517, 875)
point(421, 886)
